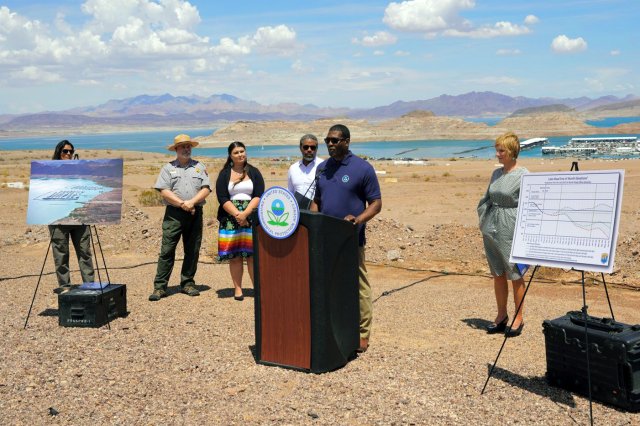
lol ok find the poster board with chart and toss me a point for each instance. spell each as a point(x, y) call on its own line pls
point(568, 220)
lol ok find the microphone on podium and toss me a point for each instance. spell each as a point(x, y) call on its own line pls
point(304, 199)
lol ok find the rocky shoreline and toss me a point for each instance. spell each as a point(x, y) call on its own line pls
point(417, 125)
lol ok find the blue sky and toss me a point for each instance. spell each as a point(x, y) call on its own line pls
point(61, 54)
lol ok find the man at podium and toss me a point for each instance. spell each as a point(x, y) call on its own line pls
point(348, 188)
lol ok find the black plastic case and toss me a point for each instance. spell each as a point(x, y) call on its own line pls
point(92, 308)
point(614, 358)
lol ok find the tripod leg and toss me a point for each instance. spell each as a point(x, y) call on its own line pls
point(38, 284)
point(607, 293)
point(586, 344)
point(505, 337)
point(95, 255)
point(104, 263)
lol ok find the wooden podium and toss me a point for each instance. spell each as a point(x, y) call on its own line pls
point(306, 294)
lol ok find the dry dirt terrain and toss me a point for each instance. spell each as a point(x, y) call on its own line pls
point(190, 360)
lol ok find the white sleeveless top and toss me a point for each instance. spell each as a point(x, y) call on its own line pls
point(242, 190)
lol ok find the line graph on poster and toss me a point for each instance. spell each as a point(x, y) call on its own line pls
point(568, 220)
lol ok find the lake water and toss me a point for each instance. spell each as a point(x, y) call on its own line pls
point(158, 141)
point(43, 211)
point(612, 121)
point(605, 122)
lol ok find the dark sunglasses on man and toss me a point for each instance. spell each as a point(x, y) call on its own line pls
point(333, 140)
point(309, 147)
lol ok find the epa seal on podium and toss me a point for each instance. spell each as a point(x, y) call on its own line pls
point(278, 212)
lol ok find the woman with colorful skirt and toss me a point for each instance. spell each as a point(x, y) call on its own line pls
point(238, 188)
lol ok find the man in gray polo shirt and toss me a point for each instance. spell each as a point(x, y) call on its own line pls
point(184, 185)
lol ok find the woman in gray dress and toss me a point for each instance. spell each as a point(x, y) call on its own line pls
point(497, 211)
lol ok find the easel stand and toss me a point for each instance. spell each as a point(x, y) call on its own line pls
point(586, 331)
point(97, 270)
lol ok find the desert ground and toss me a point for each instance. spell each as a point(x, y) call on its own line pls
point(190, 360)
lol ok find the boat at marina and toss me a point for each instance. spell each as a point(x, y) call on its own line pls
point(605, 141)
point(533, 142)
point(565, 150)
point(609, 145)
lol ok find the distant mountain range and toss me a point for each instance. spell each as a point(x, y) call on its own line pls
point(186, 111)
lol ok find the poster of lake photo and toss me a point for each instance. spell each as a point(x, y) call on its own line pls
point(75, 192)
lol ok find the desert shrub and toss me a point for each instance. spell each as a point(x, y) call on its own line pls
point(150, 198)
point(446, 174)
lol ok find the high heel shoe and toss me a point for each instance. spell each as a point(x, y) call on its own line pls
point(499, 327)
point(514, 332)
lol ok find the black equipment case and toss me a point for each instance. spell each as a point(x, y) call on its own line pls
point(614, 358)
point(92, 308)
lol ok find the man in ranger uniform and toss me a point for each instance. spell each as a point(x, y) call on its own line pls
point(183, 185)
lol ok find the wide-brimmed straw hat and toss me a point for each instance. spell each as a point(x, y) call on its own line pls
point(181, 140)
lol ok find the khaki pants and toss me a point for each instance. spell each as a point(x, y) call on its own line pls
point(366, 305)
point(81, 238)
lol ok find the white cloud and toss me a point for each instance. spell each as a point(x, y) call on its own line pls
point(531, 20)
point(508, 52)
point(378, 52)
point(200, 65)
point(426, 15)
point(154, 37)
point(108, 15)
point(564, 44)
point(615, 52)
point(380, 38)
point(228, 47)
point(36, 75)
point(499, 29)
point(176, 73)
point(433, 17)
point(61, 25)
point(87, 83)
point(18, 36)
point(280, 40)
point(401, 53)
